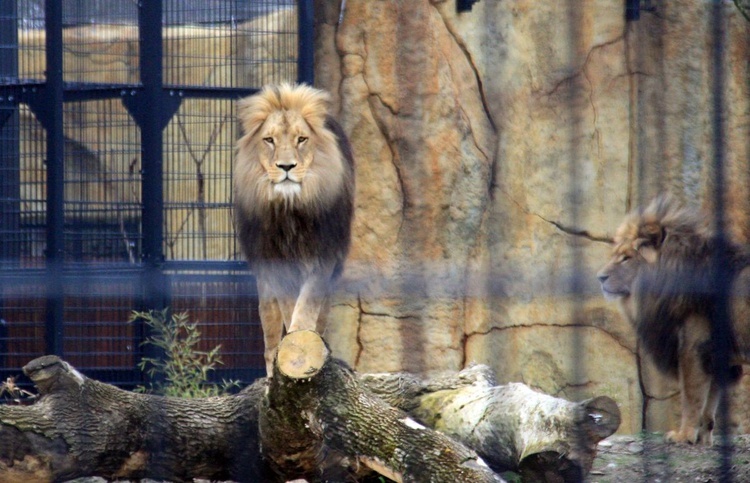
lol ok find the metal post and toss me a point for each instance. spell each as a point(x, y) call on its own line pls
point(149, 22)
point(632, 9)
point(10, 192)
point(53, 124)
point(152, 111)
point(722, 273)
point(305, 42)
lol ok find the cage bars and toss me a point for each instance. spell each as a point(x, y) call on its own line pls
point(51, 117)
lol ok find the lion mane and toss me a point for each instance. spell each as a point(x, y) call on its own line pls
point(294, 203)
point(671, 250)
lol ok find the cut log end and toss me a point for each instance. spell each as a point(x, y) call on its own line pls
point(301, 354)
point(600, 417)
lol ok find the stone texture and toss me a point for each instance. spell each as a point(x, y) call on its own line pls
point(497, 151)
point(411, 101)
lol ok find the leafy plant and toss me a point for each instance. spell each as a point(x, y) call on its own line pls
point(16, 394)
point(184, 369)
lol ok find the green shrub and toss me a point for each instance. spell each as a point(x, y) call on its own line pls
point(184, 369)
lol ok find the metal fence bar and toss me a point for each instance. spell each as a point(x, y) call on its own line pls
point(305, 40)
point(9, 131)
point(721, 329)
point(10, 186)
point(52, 120)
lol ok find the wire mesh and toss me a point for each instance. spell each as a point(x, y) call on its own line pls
point(22, 332)
point(96, 312)
point(23, 184)
point(229, 44)
point(102, 182)
point(225, 306)
point(198, 181)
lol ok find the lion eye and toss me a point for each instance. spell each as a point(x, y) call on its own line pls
point(301, 139)
point(268, 140)
point(625, 258)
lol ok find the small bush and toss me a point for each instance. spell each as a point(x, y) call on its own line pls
point(184, 369)
point(14, 394)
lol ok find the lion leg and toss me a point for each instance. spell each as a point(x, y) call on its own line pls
point(286, 305)
point(312, 301)
point(695, 387)
point(320, 327)
point(272, 322)
point(708, 415)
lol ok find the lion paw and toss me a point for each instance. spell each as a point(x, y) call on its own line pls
point(682, 436)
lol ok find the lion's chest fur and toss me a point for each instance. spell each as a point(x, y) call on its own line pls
point(289, 244)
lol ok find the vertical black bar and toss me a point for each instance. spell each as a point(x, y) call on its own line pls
point(722, 272)
point(305, 42)
point(151, 148)
point(10, 190)
point(632, 9)
point(151, 121)
point(576, 52)
point(53, 124)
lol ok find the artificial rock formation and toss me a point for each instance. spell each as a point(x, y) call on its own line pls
point(497, 151)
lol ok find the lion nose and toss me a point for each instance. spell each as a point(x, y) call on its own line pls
point(286, 166)
point(602, 277)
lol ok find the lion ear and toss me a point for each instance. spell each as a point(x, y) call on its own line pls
point(649, 252)
point(252, 113)
point(649, 242)
point(652, 235)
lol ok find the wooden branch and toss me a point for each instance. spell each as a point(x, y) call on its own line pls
point(314, 416)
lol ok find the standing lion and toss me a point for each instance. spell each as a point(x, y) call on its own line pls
point(662, 272)
point(294, 202)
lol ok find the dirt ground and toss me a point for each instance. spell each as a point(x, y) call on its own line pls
point(646, 458)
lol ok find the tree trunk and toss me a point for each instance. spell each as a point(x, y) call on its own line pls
point(315, 415)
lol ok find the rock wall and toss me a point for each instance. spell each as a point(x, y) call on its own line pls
point(498, 149)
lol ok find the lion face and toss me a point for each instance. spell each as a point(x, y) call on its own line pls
point(286, 152)
point(636, 244)
point(617, 276)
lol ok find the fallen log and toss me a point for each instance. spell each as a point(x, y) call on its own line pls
point(315, 415)
point(82, 427)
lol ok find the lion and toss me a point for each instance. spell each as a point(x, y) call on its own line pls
point(663, 272)
point(294, 203)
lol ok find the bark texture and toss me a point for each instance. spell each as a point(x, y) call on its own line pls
point(332, 408)
point(82, 427)
point(327, 419)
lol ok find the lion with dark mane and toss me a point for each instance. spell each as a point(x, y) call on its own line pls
point(663, 271)
point(294, 202)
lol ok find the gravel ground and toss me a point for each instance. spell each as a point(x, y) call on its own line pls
point(646, 458)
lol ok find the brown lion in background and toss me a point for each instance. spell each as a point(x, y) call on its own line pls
point(294, 202)
point(662, 272)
